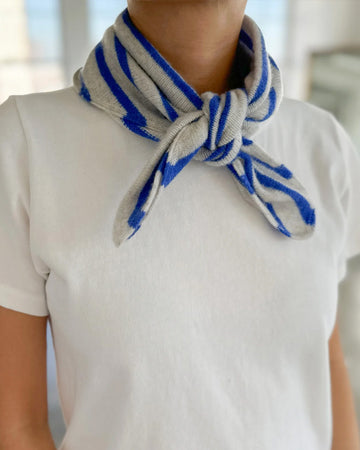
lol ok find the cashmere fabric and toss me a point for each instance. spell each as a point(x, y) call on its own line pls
point(129, 79)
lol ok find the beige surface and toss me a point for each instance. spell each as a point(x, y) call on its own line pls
point(349, 323)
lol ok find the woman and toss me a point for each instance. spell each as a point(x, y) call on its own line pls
point(211, 323)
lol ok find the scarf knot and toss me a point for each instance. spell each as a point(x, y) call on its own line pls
point(226, 126)
point(130, 80)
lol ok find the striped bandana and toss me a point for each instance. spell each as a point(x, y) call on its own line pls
point(126, 76)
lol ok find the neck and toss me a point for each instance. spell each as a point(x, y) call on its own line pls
point(198, 38)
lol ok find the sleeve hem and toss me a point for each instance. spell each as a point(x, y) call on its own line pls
point(20, 301)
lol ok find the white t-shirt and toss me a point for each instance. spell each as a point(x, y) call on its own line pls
point(209, 329)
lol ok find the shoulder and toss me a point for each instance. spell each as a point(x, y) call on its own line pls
point(41, 103)
point(317, 128)
point(303, 115)
point(315, 146)
point(300, 127)
point(314, 124)
point(49, 113)
point(296, 106)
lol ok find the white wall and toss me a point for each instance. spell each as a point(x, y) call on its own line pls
point(316, 25)
point(75, 35)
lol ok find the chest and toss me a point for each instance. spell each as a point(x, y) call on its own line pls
point(204, 263)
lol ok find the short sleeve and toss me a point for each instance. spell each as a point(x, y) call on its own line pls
point(22, 287)
point(349, 196)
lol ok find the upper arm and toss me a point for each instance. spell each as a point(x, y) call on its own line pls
point(23, 304)
point(336, 354)
point(23, 375)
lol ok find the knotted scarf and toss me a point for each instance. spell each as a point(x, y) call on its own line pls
point(126, 76)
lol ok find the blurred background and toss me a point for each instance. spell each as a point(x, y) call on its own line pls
point(316, 44)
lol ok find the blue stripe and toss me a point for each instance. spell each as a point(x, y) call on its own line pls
point(138, 215)
point(213, 108)
point(172, 114)
point(122, 58)
point(85, 93)
point(134, 127)
point(120, 95)
point(247, 141)
point(241, 178)
point(84, 90)
point(227, 150)
point(272, 104)
point(307, 213)
point(135, 219)
point(136, 119)
point(217, 152)
point(246, 39)
point(281, 227)
point(264, 77)
point(136, 229)
point(248, 167)
point(223, 117)
point(190, 93)
point(281, 170)
point(273, 63)
point(170, 171)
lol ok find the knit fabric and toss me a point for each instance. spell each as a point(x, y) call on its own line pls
point(129, 79)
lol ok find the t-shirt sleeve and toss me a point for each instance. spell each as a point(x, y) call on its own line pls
point(22, 286)
point(349, 193)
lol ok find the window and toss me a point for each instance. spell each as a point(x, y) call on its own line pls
point(102, 15)
point(31, 59)
point(271, 16)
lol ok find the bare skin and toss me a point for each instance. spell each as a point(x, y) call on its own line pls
point(197, 37)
